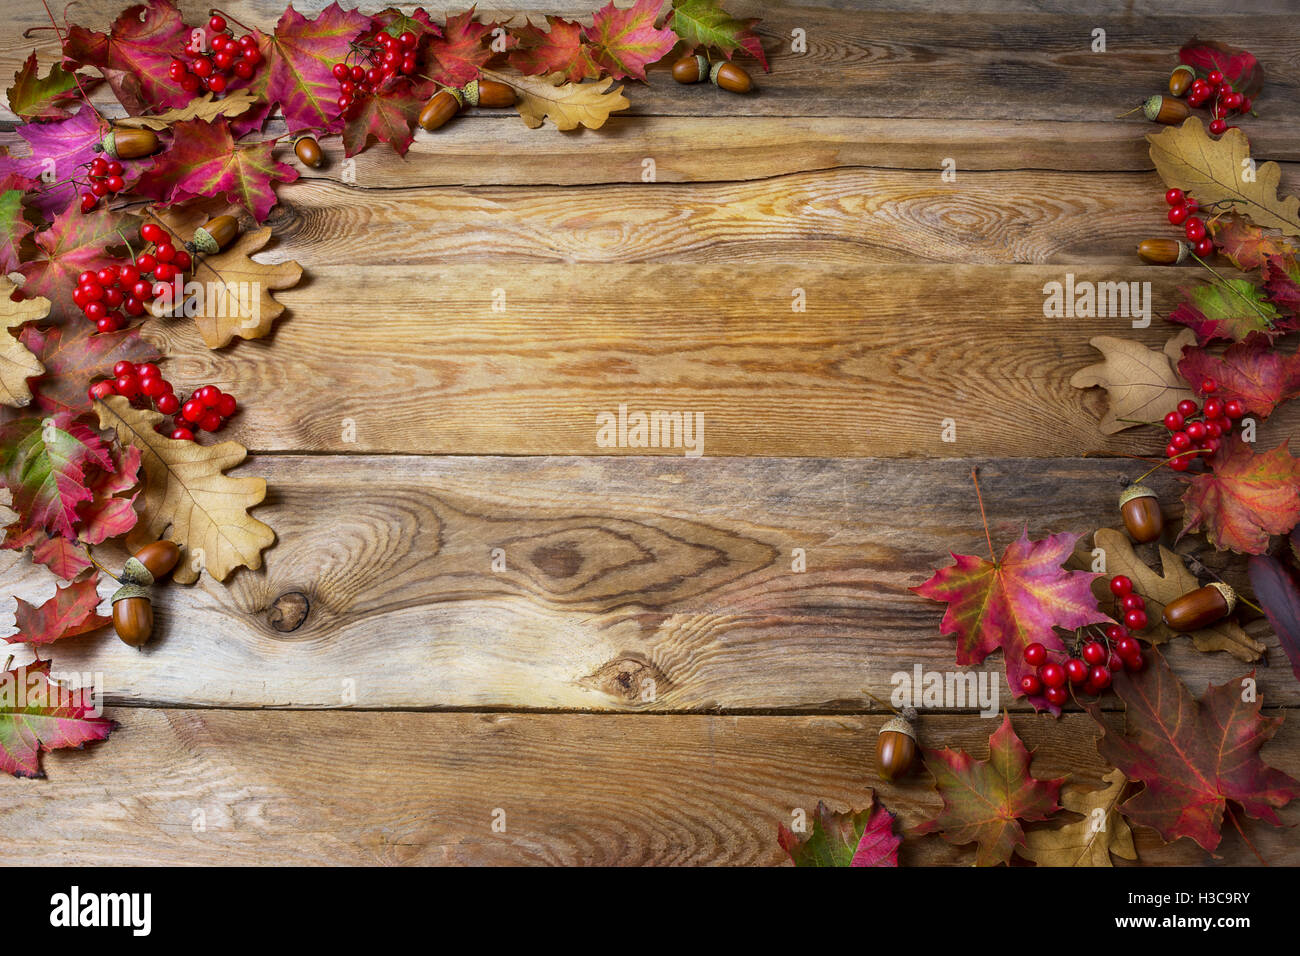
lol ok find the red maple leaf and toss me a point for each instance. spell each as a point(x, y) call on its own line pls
point(204, 161)
point(454, 58)
point(1244, 498)
point(865, 838)
point(71, 611)
point(1192, 756)
point(1246, 244)
point(387, 115)
point(75, 242)
point(623, 42)
point(1260, 376)
point(1282, 283)
point(38, 714)
point(76, 355)
point(558, 49)
point(135, 54)
point(1014, 602)
point(57, 150)
point(1240, 68)
point(1278, 592)
point(984, 801)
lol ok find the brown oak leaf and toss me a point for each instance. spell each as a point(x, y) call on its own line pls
point(567, 105)
point(17, 363)
point(1091, 840)
point(1142, 385)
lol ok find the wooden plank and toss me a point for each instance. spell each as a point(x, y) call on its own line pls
point(1008, 65)
point(883, 354)
point(627, 584)
point(227, 787)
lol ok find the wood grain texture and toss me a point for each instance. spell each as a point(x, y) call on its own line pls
point(636, 584)
point(336, 788)
point(416, 360)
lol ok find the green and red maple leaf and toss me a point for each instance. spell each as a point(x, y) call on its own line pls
point(1014, 602)
point(44, 462)
point(864, 838)
point(71, 611)
point(1232, 309)
point(703, 23)
point(38, 99)
point(387, 116)
point(623, 42)
point(1192, 756)
point(75, 355)
point(1244, 498)
point(37, 715)
point(985, 801)
point(454, 58)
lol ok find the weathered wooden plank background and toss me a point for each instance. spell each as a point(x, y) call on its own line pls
point(377, 691)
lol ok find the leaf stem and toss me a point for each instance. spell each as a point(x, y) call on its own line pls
point(975, 477)
point(1233, 817)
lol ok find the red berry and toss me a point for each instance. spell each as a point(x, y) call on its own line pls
point(88, 201)
point(133, 306)
point(1181, 441)
point(167, 403)
point(182, 260)
point(1116, 632)
point(1076, 670)
point(341, 72)
point(1180, 464)
point(1128, 647)
point(152, 232)
point(244, 69)
point(1099, 677)
point(1121, 585)
point(145, 262)
point(142, 290)
point(165, 272)
point(1196, 431)
point(1215, 77)
point(115, 184)
point(183, 434)
point(106, 323)
point(1172, 450)
point(1194, 229)
point(127, 385)
point(164, 252)
point(1136, 619)
point(1187, 408)
point(217, 24)
point(1234, 408)
point(1094, 653)
point(1213, 430)
point(1193, 207)
point(1133, 602)
point(224, 60)
point(1178, 215)
point(1203, 247)
point(217, 83)
point(227, 406)
point(112, 297)
point(210, 422)
point(1134, 663)
point(207, 396)
point(1213, 407)
point(1031, 685)
point(101, 390)
point(1052, 674)
point(127, 276)
point(408, 39)
point(95, 311)
point(1173, 421)
point(1218, 126)
point(1056, 695)
point(123, 368)
point(344, 102)
point(1174, 196)
point(192, 411)
point(201, 66)
point(1035, 654)
point(190, 83)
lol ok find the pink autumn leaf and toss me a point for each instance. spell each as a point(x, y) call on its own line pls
point(300, 56)
point(135, 54)
point(56, 152)
point(44, 717)
point(624, 42)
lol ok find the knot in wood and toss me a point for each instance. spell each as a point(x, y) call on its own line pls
point(288, 611)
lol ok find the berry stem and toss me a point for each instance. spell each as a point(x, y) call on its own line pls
point(975, 477)
point(1151, 471)
point(214, 12)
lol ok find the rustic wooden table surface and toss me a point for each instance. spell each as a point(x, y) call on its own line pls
point(647, 681)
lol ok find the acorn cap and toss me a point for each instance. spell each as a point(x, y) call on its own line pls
point(108, 144)
point(1229, 595)
point(904, 723)
point(1151, 107)
point(1135, 491)
point(470, 91)
point(203, 242)
point(1184, 66)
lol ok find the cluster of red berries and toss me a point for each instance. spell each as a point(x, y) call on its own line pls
point(105, 179)
point(142, 384)
point(1227, 101)
point(1197, 430)
point(1182, 212)
point(213, 69)
point(389, 56)
point(110, 294)
point(1093, 662)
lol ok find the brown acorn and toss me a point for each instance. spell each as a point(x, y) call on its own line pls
point(308, 151)
point(214, 235)
point(1181, 79)
point(489, 94)
point(896, 745)
point(132, 609)
point(691, 69)
point(730, 77)
point(441, 107)
point(129, 143)
point(1200, 608)
point(160, 557)
point(1139, 506)
point(1165, 109)
point(1163, 252)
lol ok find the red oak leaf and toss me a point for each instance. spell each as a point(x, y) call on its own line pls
point(1260, 376)
point(704, 23)
point(1240, 68)
point(1246, 244)
point(1244, 498)
point(1234, 309)
point(57, 150)
point(135, 54)
point(38, 714)
point(558, 49)
point(454, 58)
point(36, 98)
point(299, 57)
point(74, 243)
point(985, 800)
point(1192, 756)
point(844, 839)
point(43, 463)
point(76, 355)
point(1278, 593)
point(13, 229)
point(204, 161)
point(71, 611)
point(387, 115)
point(1014, 603)
point(623, 42)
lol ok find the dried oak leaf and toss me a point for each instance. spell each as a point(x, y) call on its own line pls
point(560, 48)
point(1092, 840)
point(40, 99)
point(705, 23)
point(984, 801)
point(1244, 498)
point(235, 300)
point(624, 42)
point(75, 355)
point(49, 718)
point(567, 105)
point(1141, 384)
point(71, 611)
point(1016, 602)
point(1192, 756)
point(1173, 581)
point(863, 838)
point(135, 54)
point(187, 497)
point(1234, 309)
point(1278, 593)
point(1260, 376)
point(1188, 158)
point(17, 363)
point(234, 103)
